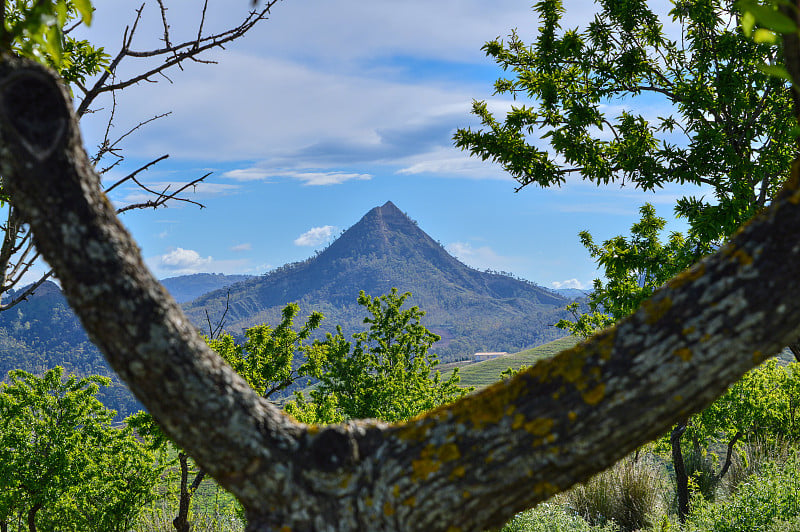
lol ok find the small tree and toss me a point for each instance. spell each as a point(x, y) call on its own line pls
point(267, 362)
point(63, 466)
point(386, 374)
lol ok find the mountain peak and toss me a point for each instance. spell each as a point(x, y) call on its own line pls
point(385, 249)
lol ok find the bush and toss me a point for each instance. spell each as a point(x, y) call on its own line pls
point(760, 503)
point(751, 458)
point(626, 494)
point(549, 517)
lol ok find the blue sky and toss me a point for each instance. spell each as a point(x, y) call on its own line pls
point(329, 109)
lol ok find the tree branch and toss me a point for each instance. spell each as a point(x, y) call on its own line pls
point(470, 465)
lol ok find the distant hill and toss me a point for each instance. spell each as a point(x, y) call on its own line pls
point(43, 332)
point(572, 293)
point(471, 310)
point(185, 288)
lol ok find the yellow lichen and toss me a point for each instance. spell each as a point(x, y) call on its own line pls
point(368, 501)
point(396, 491)
point(572, 415)
point(415, 430)
point(453, 529)
point(424, 467)
point(286, 529)
point(466, 494)
point(684, 353)
point(388, 509)
point(519, 419)
point(605, 344)
point(688, 330)
point(539, 426)
point(678, 398)
point(411, 501)
point(655, 310)
point(458, 472)
point(743, 258)
point(688, 276)
point(595, 395)
point(449, 452)
point(431, 459)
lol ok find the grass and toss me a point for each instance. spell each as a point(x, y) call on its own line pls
point(481, 374)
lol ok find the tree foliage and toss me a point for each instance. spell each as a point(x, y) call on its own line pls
point(730, 126)
point(634, 267)
point(386, 374)
point(63, 466)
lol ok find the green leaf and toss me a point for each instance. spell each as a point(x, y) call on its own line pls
point(53, 44)
point(776, 71)
point(747, 21)
point(84, 7)
point(765, 36)
point(772, 19)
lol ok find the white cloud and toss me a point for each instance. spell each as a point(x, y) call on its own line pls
point(328, 178)
point(451, 162)
point(246, 246)
point(315, 236)
point(184, 261)
point(307, 178)
point(247, 174)
point(569, 283)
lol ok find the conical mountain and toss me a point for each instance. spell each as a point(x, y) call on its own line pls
point(471, 310)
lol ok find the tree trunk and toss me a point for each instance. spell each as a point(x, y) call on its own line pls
point(181, 521)
point(467, 466)
point(681, 478)
point(794, 347)
point(728, 456)
point(32, 516)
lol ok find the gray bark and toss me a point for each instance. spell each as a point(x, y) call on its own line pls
point(466, 466)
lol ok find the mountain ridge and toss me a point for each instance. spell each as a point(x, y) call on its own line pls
point(385, 249)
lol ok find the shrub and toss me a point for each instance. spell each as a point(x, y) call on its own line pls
point(768, 501)
point(549, 517)
point(751, 458)
point(626, 494)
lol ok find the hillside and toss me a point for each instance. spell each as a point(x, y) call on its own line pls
point(185, 288)
point(484, 373)
point(43, 332)
point(471, 310)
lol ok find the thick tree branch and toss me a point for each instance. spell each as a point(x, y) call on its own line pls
point(467, 466)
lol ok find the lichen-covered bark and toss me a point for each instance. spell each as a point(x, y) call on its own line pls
point(466, 466)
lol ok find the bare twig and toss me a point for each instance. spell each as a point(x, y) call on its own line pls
point(175, 54)
point(214, 331)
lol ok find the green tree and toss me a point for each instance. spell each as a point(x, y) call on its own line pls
point(63, 466)
point(267, 361)
point(731, 127)
point(634, 267)
point(386, 374)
